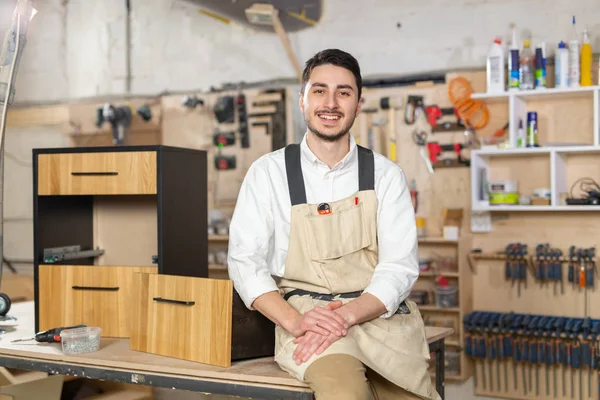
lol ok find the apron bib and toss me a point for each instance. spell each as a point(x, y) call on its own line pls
point(336, 253)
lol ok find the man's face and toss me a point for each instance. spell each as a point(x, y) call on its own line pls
point(330, 102)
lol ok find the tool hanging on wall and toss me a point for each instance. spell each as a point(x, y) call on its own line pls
point(242, 121)
point(420, 138)
point(435, 117)
point(391, 104)
point(536, 344)
point(120, 118)
point(414, 108)
point(224, 110)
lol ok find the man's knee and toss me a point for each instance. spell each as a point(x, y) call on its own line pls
point(338, 376)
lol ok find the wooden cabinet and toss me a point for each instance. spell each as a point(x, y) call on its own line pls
point(143, 208)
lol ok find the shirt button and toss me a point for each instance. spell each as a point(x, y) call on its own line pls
point(326, 177)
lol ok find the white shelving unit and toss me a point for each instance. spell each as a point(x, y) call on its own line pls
point(556, 157)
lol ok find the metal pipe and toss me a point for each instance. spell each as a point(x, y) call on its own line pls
point(10, 56)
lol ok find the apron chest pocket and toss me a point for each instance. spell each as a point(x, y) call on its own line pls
point(337, 234)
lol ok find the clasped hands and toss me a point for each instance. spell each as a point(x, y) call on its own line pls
point(317, 329)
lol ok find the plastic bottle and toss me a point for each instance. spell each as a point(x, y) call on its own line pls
point(520, 135)
point(574, 59)
point(513, 62)
point(540, 68)
point(586, 60)
point(526, 80)
point(495, 68)
point(561, 66)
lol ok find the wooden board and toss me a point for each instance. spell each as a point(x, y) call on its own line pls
point(97, 173)
point(126, 219)
point(70, 295)
point(183, 317)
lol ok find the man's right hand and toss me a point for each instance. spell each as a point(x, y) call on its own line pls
point(321, 320)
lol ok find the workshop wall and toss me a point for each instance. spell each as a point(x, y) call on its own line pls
point(77, 48)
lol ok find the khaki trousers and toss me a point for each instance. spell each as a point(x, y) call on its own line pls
point(343, 377)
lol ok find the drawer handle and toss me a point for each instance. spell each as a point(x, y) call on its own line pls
point(94, 173)
point(183, 303)
point(112, 289)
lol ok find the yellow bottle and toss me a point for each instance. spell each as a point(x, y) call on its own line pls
point(586, 60)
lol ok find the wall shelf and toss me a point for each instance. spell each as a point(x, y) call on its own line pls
point(569, 139)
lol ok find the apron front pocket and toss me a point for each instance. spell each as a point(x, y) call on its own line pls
point(337, 234)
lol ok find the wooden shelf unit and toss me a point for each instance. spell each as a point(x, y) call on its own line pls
point(569, 136)
point(432, 314)
point(144, 206)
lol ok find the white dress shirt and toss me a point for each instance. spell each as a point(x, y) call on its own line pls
point(260, 225)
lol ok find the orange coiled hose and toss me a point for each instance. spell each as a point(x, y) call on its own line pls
point(473, 112)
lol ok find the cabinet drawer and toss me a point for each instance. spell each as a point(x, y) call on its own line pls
point(183, 317)
point(97, 173)
point(92, 295)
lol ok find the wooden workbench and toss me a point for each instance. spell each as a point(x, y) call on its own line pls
point(114, 361)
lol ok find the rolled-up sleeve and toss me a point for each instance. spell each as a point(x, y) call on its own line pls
point(398, 266)
point(250, 233)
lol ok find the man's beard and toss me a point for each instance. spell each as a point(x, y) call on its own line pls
point(329, 137)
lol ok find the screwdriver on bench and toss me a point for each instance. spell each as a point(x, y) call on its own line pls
point(49, 336)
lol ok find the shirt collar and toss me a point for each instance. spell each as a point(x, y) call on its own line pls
point(312, 159)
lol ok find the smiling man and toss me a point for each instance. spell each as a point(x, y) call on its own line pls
point(323, 242)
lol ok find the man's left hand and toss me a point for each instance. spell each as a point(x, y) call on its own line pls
point(312, 343)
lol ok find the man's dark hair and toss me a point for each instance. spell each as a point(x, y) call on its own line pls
point(335, 57)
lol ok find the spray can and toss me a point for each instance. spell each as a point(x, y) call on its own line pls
point(532, 129)
point(540, 69)
point(561, 65)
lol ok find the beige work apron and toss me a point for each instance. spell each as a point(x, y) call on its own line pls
point(337, 253)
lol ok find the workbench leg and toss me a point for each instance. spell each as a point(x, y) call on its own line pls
point(439, 347)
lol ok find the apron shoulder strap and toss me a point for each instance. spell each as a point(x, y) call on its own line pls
point(293, 169)
point(366, 169)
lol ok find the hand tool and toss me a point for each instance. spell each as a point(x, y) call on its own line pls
point(435, 149)
point(508, 266)
point(589, 255)
point(49, 336)
point(524, 346)
point(581, 268)
point(522, 265)
point(561, 356)
point(533, 354)
point(593, 338)
point(434, 113)
point(469, 347)
point(541, 352)
point(420, 138)
point(558, 271)
point(550, 354)
point(539, 255)
point(506, 345)
point(480, 344)
point(571, 273)
point(488, 324)
point(585, 351)
point(391, 104)
point(414, 108)
point(575, 352)
point(516, 346)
